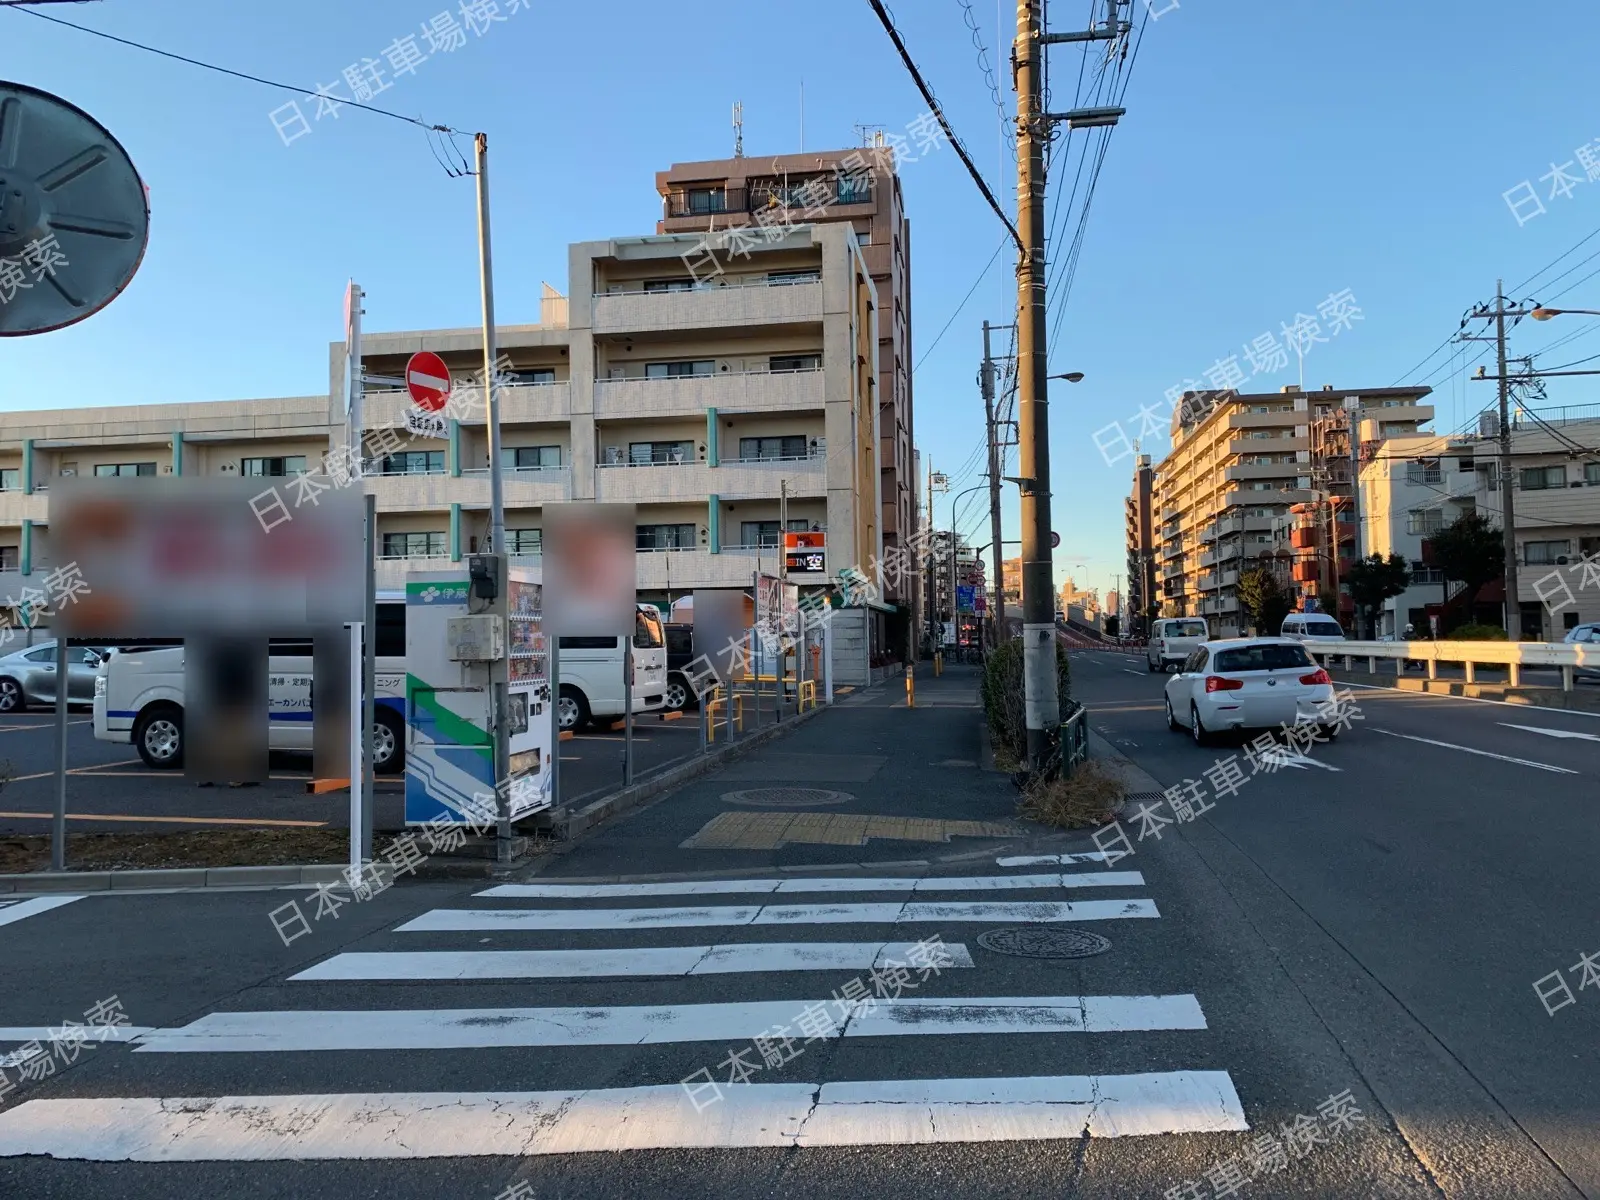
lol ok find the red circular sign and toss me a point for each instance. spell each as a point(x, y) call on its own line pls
point(428, 380)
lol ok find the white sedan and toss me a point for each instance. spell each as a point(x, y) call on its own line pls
point(1248, 683)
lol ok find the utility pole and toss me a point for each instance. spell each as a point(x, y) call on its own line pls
point(1507, 520)
point(987, 382)
point(1352, 412)
point(928, 575)
point(498, 671)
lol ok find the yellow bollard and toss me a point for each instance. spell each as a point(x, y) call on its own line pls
point(911, 686)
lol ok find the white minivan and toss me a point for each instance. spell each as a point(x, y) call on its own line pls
point(1173, 639)
point(1312, 627)
point(139, 696)
point(591, 673)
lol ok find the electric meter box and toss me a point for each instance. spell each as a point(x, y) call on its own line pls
point(477, 639)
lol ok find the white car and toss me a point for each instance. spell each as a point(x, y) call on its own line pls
point(1312, 627)
point(1248, 683)
point(1172, 640)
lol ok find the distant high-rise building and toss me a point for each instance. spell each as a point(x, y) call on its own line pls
point(1141, 549)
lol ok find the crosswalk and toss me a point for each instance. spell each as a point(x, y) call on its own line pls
point(552, 982)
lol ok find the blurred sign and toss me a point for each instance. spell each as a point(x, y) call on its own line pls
point(1055, 540)
point(980, 604)
point(965, 597)
point(806, 552)
point(590, 580)
point(426, 424)
point(183, 557)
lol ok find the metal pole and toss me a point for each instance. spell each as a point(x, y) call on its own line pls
point(498, 671)
point(932, 592)
point(994, 491)
point(58, 826)
point(827, 659)
point(358, 819)
point(783, 593)
point(627, 712)
point(369, 672)
point(1042, 707)
point(552, 650)
point(1507, 499)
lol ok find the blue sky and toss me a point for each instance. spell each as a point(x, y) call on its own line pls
point(1275, 152)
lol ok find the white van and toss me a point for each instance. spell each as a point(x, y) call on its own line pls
point(591, 673)
point(1173, 639)
point(139, 696)
point(1312, 627)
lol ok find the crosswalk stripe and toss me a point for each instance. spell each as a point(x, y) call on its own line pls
point(1046, 860)
point(415, 1125)
point(464, 919)
point(444, 1029)
point(751, 957)
point(32, 908)
point(731, 887)
point(89, 1035)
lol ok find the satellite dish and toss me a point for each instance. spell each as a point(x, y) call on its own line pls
point(74, 215)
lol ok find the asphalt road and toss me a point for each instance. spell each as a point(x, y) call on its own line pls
point(1371, 930)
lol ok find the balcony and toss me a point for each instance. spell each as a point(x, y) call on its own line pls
point(1274, 420)
point(1268, 445)
point(1287, 471)
point(520, 404)
point(16, 506)
point(741, 392)
point(1206, 581)
point(526, 488)
point(796, 203)
point(731, 305)
point(691, 482)
point(687, 569)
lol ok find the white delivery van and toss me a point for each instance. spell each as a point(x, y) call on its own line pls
point(591, 673)
point(139, 696)
point(1173, 639)
point(1312, 627)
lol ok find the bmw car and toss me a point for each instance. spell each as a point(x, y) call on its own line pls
point(1248, 683)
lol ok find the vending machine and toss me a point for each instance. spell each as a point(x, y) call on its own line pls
point(458, 625)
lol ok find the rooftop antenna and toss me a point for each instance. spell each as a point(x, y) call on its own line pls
point(802, 115)
point(869, 134)
point(738, 129)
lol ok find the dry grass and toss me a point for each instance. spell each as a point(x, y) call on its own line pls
point(1085, 801)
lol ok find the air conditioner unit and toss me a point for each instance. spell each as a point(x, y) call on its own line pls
point(613, 456)
point(618, 373)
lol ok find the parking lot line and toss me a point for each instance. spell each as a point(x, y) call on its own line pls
point(35, 728)
point(71, 770)
point(165, 820)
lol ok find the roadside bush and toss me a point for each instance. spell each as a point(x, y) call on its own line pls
point(1476, 633)
point(1003, 699)
point(1084, 801)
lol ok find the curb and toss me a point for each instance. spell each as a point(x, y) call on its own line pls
point(55, 882)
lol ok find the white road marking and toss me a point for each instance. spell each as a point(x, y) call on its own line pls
point(1286, 757)
point(89, 1034)
point(1521, 762)
point(1555, 733)
point(30, 908)
point(753, 957)
point(458, 919)
point(417, 1125)
point(453, 1029)
point(728, 887)
point(1042, 860)
point(1566, 712)
point(1131, 671)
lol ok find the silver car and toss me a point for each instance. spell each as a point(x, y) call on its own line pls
point(1585, 635)
point(29, 676)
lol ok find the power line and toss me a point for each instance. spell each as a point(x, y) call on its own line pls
point(933, 106)
point(975, 285)
point(195, 62)
point(984, 65)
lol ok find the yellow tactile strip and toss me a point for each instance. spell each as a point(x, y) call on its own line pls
point(770, 830)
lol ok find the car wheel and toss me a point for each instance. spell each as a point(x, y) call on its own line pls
point(388, 744)
point(158, 736)
point(1330, 732)
point(11, 697)
point(1149, 666)
point(572, 710)
point(1172, 719)
point(677, 698)
point(1197, 727)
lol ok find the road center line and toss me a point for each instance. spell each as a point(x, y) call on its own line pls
point(1521, 762)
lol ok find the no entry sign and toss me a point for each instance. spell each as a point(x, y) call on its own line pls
point(428, 380)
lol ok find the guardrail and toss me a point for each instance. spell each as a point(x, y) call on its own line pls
point(1567, 657)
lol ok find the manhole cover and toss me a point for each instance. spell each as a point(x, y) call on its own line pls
point(787, 797)
point(1026, 942)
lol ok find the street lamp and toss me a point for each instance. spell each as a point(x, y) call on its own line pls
point(1069, 376)
point(1544, 314)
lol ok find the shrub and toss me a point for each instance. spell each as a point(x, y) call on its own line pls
point(1084, 801)
point(1003, 697)
point(1476, 633)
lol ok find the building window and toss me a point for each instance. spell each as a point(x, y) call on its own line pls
point(10, 479)
point(1423, 473)
point(1591, 473)
point(1536, 479)
point(686, 369)
point(412, 462)
point(530, 458)
point(1421, 572)
point(10, 560)
point(524, 541)
point(787, 446)
point(786, 277)
point(664, 537)
point(795, 362)
point(1544, 554)
point(765, 533)
point(416, 545)
point(287, 464)
point(707, 200)
point(529, 376)
point(855, 188)
point(103, 469)
point(669, 285)
point(1424, 520)
point(1488, 477)
point(640, 453)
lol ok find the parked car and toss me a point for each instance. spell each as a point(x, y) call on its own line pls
point(1312, 627)
point(1248, 683)
point(1586, 635)
point(29, 676)
point(1173, 639)
point(680, 653)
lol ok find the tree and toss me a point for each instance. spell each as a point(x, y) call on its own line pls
point(1264, 599)
point(1373, 580)
point(1113, 625)
point(1470, 551)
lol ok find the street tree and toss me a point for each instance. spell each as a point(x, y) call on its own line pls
point(1470, 551)
point(1263, 599)
point(1373, 580)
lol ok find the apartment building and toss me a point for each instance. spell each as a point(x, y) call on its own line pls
point(1238, 464)
point(701, 406)
point(1415, 486)
point(1138, 531)
point(858, 189)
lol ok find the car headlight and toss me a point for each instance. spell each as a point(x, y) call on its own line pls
point(99, 686)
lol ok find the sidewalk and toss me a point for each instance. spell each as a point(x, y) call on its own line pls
point(867, 781)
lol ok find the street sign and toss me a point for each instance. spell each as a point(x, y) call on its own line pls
point(980, 604)
point(805, 553)
point(428, 380)
point(1055, 541)
point(965, 598)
